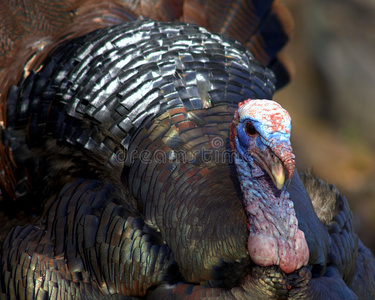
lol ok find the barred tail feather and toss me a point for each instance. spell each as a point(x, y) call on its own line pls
point(263, 27)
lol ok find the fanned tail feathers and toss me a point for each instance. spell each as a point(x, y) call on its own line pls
point(263, 27)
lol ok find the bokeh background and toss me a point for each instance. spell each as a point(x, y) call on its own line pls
point(332, 99)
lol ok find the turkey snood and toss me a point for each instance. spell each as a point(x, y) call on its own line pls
point(260, 142)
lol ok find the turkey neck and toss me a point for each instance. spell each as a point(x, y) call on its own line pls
point(274, 237)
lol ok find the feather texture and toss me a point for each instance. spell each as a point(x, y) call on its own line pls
point(115, 120)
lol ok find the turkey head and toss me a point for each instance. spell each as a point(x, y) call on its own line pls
point(260, 143)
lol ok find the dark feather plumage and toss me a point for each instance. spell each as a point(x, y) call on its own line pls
point(115, 128)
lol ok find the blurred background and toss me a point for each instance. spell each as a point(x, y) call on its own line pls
point(332, 99)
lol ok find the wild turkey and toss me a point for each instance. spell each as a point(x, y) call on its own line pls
point(124, 134)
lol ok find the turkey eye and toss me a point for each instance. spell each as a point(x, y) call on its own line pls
point(250, 129)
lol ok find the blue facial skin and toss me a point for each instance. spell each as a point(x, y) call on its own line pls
point(265, 140)
point(265, 137)
point(244, 142)
point(263, 156)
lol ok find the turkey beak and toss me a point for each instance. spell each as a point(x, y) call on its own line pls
point(271, 164)
point(277, 174)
